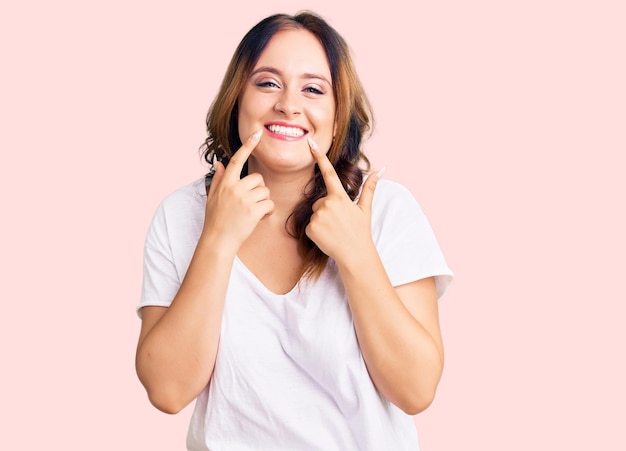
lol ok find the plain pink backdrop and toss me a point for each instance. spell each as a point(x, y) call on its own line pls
point(507, 120)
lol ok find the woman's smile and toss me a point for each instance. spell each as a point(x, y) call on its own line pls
point(285, 131)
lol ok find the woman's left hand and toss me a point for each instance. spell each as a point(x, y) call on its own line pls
point(339, 226)
point(397, 327)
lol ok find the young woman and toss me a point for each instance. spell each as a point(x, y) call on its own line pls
point(296, 302)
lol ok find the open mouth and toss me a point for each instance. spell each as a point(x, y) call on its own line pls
point(293, 132)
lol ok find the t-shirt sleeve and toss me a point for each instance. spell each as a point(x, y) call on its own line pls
point(160, 277)
point(405, 240)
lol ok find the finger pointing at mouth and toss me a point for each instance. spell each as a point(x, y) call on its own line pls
point(333, 183)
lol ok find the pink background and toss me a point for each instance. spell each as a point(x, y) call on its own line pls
point(506, 119)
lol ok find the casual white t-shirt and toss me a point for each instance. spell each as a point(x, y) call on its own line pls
point(289, 373)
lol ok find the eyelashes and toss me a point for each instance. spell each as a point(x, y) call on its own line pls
point(266, 84)
point(314, 90)
point(308, 89)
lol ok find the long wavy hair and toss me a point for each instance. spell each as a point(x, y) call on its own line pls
point(353, 120)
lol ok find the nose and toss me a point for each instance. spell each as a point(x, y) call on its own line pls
point(288, 104)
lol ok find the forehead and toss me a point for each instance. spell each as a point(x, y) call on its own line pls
point(295, 51)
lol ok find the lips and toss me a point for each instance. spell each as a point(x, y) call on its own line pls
point(285, 131)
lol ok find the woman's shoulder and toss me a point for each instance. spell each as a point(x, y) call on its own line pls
point(191, 194)
point(389, 193)
point(194, 190)
point(184, 204)
point(392, 187)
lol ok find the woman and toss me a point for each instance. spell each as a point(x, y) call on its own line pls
point(296, 303)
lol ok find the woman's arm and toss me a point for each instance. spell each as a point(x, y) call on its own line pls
point(398, 331)
point(178, 345)
point(397, 328)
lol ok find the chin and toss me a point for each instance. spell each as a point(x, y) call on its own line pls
point(284, 164)
point(283, 155)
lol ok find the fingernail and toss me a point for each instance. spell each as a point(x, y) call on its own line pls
point(313, 144)
point(256, 135)
point(379, 174)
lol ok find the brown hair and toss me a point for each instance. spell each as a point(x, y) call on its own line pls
point(353, 119)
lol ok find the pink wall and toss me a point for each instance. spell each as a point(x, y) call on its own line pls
point(507, 122)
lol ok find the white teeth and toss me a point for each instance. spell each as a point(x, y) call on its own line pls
point(282, 130)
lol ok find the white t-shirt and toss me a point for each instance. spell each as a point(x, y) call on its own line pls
point(289, 373)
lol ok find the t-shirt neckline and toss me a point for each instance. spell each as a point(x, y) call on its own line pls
point(256, 281)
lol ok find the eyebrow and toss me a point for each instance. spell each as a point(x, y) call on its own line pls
point(275, 71)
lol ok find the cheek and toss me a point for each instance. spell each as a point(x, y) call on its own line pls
point(242, 123)
point(324, 127)
point(325, 121)
point(246, 116)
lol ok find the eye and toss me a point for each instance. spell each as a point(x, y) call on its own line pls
point(314, 90)
point(266, 84)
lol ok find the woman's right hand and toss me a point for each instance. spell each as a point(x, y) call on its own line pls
point(178, 345)
point(236, 205)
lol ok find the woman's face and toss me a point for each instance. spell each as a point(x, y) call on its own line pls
point(289, 94)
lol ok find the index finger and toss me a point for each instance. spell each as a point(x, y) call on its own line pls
point(331, 179)
point(235, 165)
